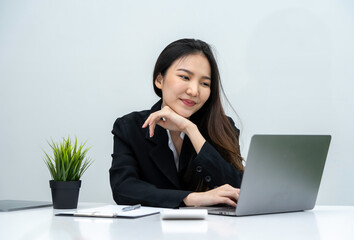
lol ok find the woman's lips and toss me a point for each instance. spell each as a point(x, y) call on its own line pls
point(189, 103)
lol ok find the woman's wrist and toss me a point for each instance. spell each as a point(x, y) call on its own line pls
point(190, 200)
point(195, 136)
point(190, 128)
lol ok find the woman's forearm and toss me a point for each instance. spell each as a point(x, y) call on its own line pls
point(195, 136)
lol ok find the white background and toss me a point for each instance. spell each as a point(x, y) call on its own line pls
point(72, 67)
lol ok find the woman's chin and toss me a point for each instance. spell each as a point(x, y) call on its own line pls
point(184, 114)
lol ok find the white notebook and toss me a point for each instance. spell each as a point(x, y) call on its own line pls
point(112, 211)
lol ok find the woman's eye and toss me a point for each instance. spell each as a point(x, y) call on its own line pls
point(205, 84)
point(184, 77)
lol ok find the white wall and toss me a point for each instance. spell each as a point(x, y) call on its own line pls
point(71, 67)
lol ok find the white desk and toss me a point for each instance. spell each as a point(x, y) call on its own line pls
point(324, 222)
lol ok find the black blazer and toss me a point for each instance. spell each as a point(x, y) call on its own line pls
point(143, 168)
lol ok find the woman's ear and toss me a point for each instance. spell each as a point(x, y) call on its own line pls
point(159, 81)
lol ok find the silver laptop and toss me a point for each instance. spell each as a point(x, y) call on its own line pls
point(14, 205)
point(282, 174)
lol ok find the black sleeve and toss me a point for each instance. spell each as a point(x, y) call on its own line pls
point(126, 183)
point(214, 169)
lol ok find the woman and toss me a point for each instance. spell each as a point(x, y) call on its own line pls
point(184, 151)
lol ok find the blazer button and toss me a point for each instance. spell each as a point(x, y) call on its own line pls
point(207, 178)
point(198, 169)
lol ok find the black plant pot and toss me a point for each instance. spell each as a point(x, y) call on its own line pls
point(65, 195)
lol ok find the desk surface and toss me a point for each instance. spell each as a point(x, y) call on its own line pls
point(324, 222)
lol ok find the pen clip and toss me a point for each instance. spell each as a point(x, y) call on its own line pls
point(130, 208)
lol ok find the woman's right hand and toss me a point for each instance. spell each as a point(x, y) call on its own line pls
point(224, 194)
point(168, 119)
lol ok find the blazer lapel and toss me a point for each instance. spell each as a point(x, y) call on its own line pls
point(161, 153)
point(187, 153)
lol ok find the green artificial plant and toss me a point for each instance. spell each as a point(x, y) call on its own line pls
point(68, 162)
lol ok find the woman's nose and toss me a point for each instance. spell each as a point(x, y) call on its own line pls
point(192, 89)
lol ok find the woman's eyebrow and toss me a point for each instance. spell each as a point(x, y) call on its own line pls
point(189, 72)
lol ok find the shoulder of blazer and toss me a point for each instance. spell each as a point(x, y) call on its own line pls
point(134, 119)
point(234, 126)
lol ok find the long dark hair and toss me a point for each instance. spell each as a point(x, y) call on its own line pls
point(210, 119)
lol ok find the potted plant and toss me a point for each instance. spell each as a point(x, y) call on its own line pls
point(66, 167)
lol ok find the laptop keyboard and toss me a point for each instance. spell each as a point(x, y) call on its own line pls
point(228, 211)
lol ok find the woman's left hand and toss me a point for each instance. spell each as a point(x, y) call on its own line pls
point(168, 119)
point(224, 194)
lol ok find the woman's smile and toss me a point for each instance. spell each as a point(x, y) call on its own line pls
point(189, 103)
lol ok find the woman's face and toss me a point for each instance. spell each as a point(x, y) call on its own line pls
point(186, 84)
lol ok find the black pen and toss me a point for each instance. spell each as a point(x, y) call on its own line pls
point(126, 209)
